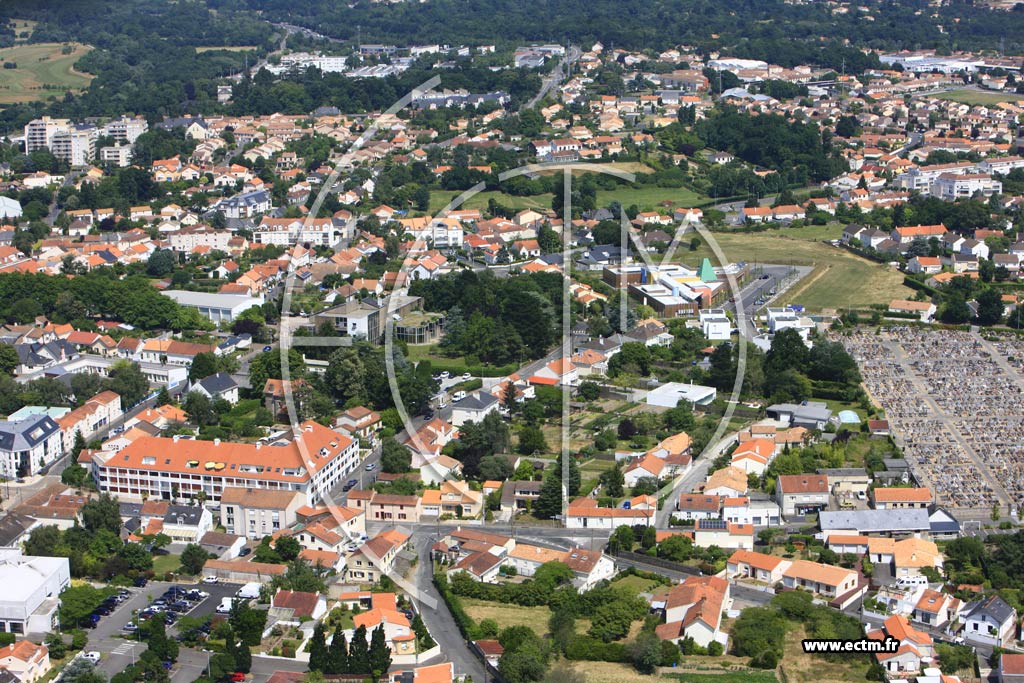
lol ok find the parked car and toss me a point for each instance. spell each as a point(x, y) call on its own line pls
point(237, 677)
point(210, 579)
point(93, 657)
point(445, 374)
point(466, 376)
point(130, 627)
point(268, 347)
point(244, 551)
point(371, 466)
point(140, 581)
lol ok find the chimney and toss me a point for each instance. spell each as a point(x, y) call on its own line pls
point(259, 444)
point(176, 437)
point(216, 442)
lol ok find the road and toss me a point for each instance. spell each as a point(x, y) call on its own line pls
point(696, 476)
point(438, 619)
point(554, 79)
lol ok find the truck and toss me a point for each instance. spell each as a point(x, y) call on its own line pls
point(249, 591)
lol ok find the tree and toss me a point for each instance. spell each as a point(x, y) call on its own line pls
point(318, 657)
point(589, 390)
point(102, 513)
point(549, 501)
point(193, 558)
point(200, 409)
point(622, 538)
point(55, 644)
point(496, 468)
point(337, 655)
point(645, 652)
point(531, 440)
point(154, 633)
point(395, 458)
point(247, 623)
point(955, 311)
point(8, 359)
point(127, 381)
point(990, 307)
point(359, 653)
point(722, 375)
point(380, 653)
point(287, 548)
point(243, 658)
point(74, 474)
point(203, 365)
point(648, 540)
point(163, 397)
point(613, 481)
point(161, 263)
point(633, 357)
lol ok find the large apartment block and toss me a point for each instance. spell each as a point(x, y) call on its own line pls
point(314, 462)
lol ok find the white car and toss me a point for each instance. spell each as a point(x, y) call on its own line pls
point(445, 374)
point(466, 376)
point(210, 579)
point(93, 657)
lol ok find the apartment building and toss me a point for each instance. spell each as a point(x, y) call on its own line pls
point(255, 513)
point(313, 462)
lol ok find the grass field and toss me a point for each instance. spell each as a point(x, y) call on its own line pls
point(646, 198)
point(166, 563)
point(635, 584)
point(800, 666)
point(973, 97)
point(23, 29)
point(839, 279)
point(509, 615)
point(726, 677)
point(42, 72)
point(225, 48)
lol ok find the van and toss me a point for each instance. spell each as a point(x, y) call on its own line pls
point(249, 591)
point(458, 396)
point(225, 605)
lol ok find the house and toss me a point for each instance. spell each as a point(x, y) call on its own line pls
point(900, 498)
point(25, 660)
point(808, 414)
point(561, 370)
point(584, 513)
point(376, 557)
point(728, 481)
point(482, 566)
point(752, 511)
point(754, 455)
point(28, 445)
point(912, 647)
point(723, 534)
point(642, 468)
point(800, 494)
point(924, 310)
point(589, 566)
point(257, 512)
point(289, 605)
point(474, 408)
point(693, 609)
point(935, 609)
point(394, 508)
point(924, 264)
point(454, 498)
point(693, 506)
point(1011, 668)
point(360, 423)
point(989, 621)
point(906, 557)
point(187, 523)
point(757, 566)
point(823, 579)
point(218, 386)
point(384, 614)
point(30, 602)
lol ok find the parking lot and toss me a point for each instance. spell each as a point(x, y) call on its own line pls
point(116, 644)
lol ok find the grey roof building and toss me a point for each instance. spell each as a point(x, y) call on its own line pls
point(809, 414)
point(890, 522)
point(29, 445)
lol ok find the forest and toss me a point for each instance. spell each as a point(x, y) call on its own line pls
point(773, 30)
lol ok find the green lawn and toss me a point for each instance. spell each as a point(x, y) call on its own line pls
point(439, 199)
point(225, 48)
point(839, 279)
point(43, 71)
point(635, 584)
point(166, 563)
point(508, 615)
point(649, 198)
point(974, 97)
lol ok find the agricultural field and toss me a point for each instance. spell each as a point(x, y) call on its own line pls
point(649, 198)
point(799, 666)
point(977, 97)
point(43, 71)
point(440, 199)
point(839, 279)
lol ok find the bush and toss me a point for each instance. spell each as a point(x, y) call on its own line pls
point(715, 649)
point(288, 651)
point(7, 638)
point(587, 649)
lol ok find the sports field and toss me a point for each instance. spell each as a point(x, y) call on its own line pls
point(978, 97)
point(43, 71)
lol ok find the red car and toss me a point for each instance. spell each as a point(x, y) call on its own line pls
point(237, 677)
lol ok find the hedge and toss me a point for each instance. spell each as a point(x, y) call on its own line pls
point(918, 285)
point(587, 649)
point(467, 627)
